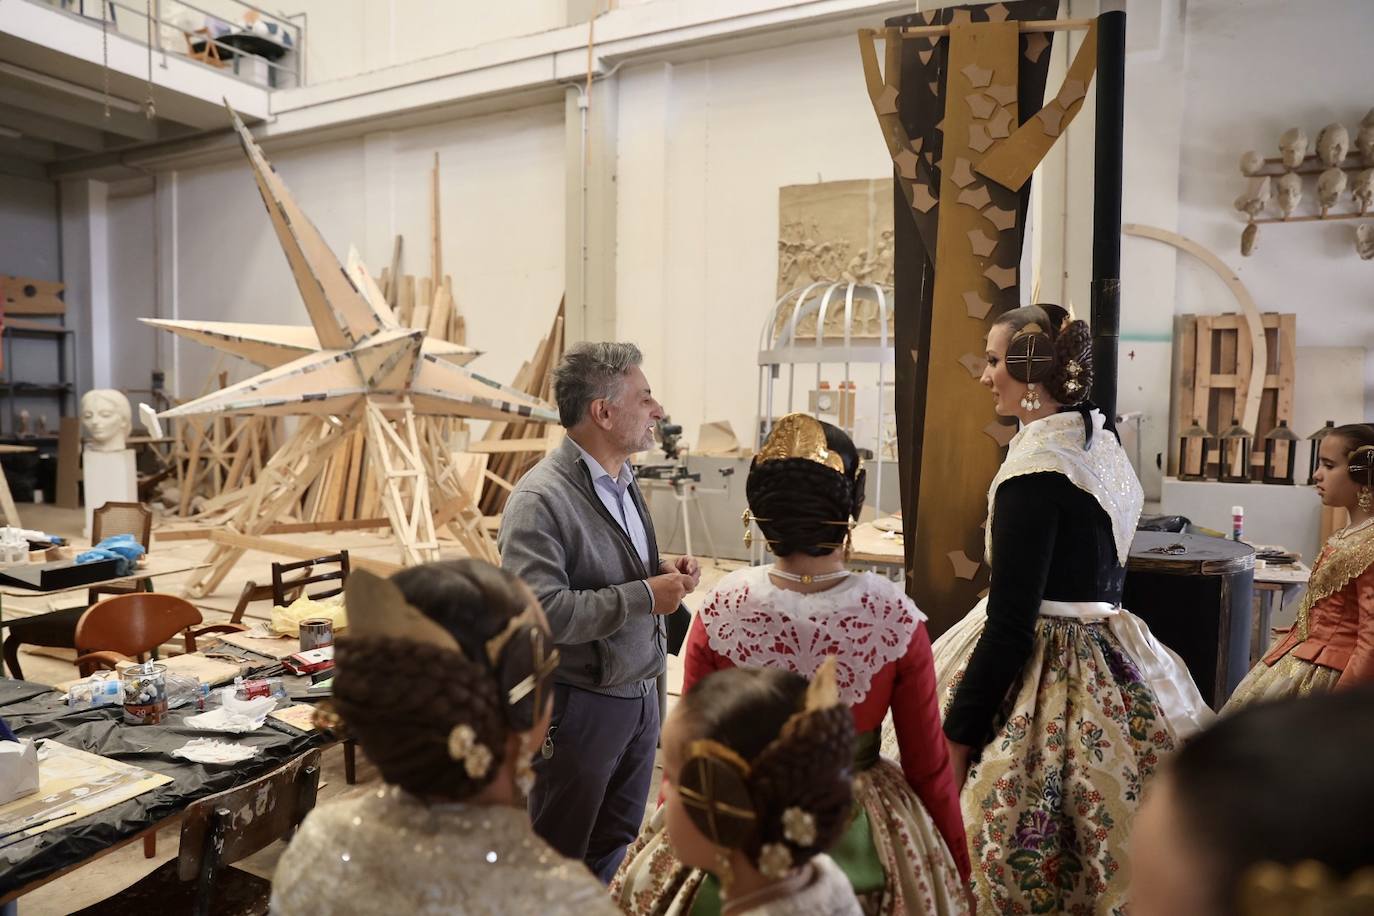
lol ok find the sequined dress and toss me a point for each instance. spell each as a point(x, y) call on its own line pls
point(384, 851)
point(1068, 701)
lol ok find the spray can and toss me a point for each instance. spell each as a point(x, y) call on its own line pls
point(1237, 522)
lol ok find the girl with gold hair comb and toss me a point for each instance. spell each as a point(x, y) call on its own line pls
point(903, 848)
point(757, 786)
point(445, 681)
point(1332, 644)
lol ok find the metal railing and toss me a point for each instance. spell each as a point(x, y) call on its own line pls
point(266, 49)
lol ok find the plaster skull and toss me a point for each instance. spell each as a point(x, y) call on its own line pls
point(1363, 190)
point(1293, 146)
point(1248, 236)
point(1290, 193)
point(1333, 143)
point(1330, 187)
point(107, 419)
point(1255, 197)
point(1364, 142)
point(1364, 241)
point(1251, 162)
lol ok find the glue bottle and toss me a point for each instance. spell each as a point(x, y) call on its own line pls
point(1237, 522)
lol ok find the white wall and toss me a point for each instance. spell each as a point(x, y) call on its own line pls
point(704, 148)
point(133, 291)
point(29, 245)
point(502, 199)
point(1253, 69)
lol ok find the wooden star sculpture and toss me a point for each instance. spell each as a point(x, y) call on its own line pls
point(355, 364)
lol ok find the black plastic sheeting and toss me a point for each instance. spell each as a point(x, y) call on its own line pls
point(34, 711)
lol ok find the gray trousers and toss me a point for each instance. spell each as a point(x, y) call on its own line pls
point(589, 796)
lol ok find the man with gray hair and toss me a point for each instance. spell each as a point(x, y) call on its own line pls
point(576, 530)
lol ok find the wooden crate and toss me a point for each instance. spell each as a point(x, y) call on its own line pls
point(1212, 365)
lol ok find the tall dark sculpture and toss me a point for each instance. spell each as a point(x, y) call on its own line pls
point(960, 100)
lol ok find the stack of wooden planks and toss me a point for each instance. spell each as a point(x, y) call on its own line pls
point(515, 447)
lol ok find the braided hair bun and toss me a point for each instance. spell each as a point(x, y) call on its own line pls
point(802, 506)
point(798, 782)
point(406, 725)
point(1069, 379)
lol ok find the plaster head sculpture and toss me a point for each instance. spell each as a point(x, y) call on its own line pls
point(1362, 189)
point(1255, 197)
point(1290, 193)
point(1251, 162)
point(1248, 236)
point(1330, 187)
point(1293, 146)
point(1364, 142)
point(106, 419)
point(1364, 241)
point(1332, 144)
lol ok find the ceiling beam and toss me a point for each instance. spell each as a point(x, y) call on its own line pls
point(24, 148)
point(23, 168)
point(86, 113)
point(40, 127)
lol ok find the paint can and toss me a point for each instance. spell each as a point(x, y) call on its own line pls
point(145, 694)
point(316, 633)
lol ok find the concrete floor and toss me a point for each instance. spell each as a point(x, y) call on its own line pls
point(114, 871)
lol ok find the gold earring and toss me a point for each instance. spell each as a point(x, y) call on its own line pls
point(725, 872)
point(1031, 399)
point(748, 519)
point(524, 768)
point(849, 540)
point(1366, 499)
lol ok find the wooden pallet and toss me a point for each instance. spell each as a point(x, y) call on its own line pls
point(1213, 356)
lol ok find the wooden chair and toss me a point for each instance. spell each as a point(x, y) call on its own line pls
point(121, 518)
point(57, 630)
point(282, 586)
point(126, 627)
point(285, 590)
point(214, 835)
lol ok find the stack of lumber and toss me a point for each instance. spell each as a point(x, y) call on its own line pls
point(516, 446)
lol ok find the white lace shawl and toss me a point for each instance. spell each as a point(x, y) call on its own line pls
point(1055, 443)
point(866, 622)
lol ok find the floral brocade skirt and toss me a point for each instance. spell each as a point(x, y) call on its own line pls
point(1049, 804)
point(891, 852)
point(1290, 676)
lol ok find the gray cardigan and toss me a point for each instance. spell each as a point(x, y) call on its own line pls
point(557, 536)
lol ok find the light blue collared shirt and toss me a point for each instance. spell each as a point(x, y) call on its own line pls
point(614, 493)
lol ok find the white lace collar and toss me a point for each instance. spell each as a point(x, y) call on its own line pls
point(865, 622)
point(1055, 443)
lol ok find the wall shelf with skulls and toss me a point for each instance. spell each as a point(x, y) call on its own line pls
point(1341, 179)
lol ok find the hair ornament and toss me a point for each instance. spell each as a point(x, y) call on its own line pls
point(713, 785)
point(824, 690)
point(798, 826)
point(799, 435)
point(1360, 464)
point(1030, 355)
point(775, 860)
point(463, 745)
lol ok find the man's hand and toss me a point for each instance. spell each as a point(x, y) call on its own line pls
point(687, 566)
point(668, 590)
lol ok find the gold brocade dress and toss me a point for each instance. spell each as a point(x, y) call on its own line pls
point(1332, 643)
point(385, 851)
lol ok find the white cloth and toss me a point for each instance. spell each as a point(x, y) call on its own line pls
point(864, 623)
point(1161, 667)
point(1055, 443)
point(828, 894)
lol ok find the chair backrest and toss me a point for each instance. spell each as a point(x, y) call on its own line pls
point(135, 623)
point(122, 518)
point(282, 587)
point(234, 824)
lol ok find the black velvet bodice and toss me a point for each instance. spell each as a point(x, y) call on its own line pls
point(1050, 540)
